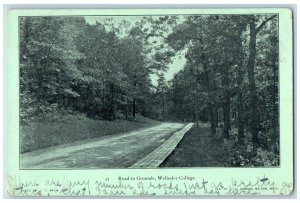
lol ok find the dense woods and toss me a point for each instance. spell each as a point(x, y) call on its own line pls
point(115, 69)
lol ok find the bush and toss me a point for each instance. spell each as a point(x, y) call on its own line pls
point(245, 156)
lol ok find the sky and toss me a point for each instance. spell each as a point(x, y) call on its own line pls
point(174, 67)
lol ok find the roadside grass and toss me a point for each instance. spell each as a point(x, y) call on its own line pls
point(199, 149)
point(196, 149)
point(42, 134)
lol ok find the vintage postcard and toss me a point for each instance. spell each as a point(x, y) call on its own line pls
point(143, 102)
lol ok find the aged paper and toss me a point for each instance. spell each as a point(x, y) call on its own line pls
point(112, 102)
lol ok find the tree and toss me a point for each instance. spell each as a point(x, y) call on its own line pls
point(135, 66)
point(220, 51)
point(47, 58)
point(104, 70)
point(161, 91)
point(254, 30)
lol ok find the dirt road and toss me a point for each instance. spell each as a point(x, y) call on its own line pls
point(116, 151)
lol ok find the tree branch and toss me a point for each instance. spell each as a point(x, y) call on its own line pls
point(140, 77)
point(263, 23)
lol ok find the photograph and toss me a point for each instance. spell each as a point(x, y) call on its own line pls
point(149, 91)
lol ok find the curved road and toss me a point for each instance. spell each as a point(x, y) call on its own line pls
point(114, 151)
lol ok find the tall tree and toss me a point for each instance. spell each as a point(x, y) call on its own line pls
point(254, 30)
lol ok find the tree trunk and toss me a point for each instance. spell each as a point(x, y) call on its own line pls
point(254, 124)
point(112, 104)
point(211, 115)
point(196, 113)
point(210, 106)
point(133, 101)
point(240, 117)
point(226, 104)
point(126, 111)
point(240, 79)
point(226, 116)
point(215, 119)
point(252, 86)
point(103, 109)
point(163, 107)
point(133, 107)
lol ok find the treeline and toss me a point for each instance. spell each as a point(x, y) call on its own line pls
point(67, 65)
point(104, 70)
point(230, 78)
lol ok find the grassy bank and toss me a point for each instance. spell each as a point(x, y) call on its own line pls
point(196, 149)
point(199, 149)
point(42, 134)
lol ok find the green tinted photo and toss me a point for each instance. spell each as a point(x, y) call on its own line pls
point(149, 91)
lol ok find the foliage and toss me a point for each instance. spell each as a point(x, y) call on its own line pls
point(231, 74)
point(244, 156)
point(105, 71)
point(66, 63)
